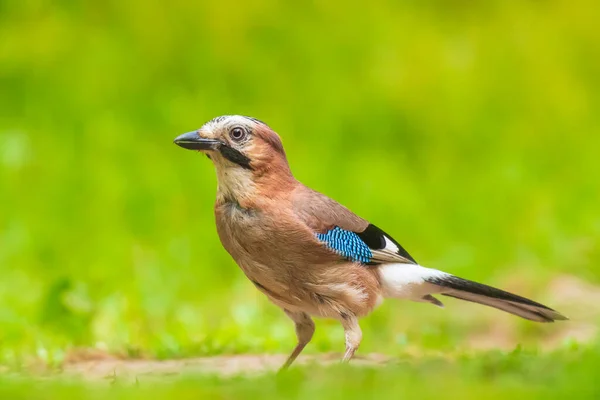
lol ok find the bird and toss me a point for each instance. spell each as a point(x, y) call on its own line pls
point(310, 255)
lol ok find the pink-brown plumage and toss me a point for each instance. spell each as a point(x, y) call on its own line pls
point(273, 227)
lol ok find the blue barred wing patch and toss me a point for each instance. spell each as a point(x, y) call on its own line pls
point(347, 244)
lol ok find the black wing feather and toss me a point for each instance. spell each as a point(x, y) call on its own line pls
point(379, 243)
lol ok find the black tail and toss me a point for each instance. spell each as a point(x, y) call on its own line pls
point(463, 289)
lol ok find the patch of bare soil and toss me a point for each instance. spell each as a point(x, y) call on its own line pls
point(145, 370)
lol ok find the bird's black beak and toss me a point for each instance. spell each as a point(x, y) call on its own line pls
point(193, 141)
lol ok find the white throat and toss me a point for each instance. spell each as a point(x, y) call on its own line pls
point(233, 182)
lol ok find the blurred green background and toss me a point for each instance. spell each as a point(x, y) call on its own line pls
point(470, 131)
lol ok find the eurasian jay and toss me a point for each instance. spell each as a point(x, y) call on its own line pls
point(307, 253)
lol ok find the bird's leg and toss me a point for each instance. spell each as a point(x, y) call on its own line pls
point(353, 335)
point(305, 327)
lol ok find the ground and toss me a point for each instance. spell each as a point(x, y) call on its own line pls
point(570, 371)
point(488, 363)
point(224, 366)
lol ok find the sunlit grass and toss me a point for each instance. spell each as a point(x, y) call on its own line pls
point(496, 375)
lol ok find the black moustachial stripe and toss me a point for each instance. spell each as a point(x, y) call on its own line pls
point(375, 239)
point(235, 156)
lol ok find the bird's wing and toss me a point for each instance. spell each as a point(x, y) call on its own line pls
point(346, 233)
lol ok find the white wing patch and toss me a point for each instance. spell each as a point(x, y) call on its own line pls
point(389, 253)
point(389, 245)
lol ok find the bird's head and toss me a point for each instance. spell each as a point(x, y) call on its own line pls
point(246, 152)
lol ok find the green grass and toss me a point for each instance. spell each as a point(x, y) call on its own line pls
point(519, 375)
point(467, 130)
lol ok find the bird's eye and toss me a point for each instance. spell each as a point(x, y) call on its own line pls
point(237, 134)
